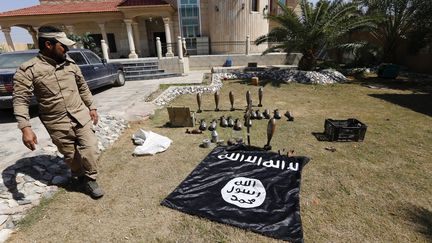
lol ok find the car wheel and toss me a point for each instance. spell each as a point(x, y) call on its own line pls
point(120, 80)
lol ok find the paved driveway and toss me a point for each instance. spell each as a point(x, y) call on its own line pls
point(127, 102)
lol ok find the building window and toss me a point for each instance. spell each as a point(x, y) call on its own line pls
point(190, 23)
point(254, 6)
point(274, 8)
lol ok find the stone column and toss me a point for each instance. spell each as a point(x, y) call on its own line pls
point(105, 50)
point(168, 37)
point(103, 33)
point(247, 45)
point(137, 38)
point(33, 31)
point(71, 31)
point(185, 53)
point(128, 23)
point(9, 42)
point(180, 47)
point(158, 48)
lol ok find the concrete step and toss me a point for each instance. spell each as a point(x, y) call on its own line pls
point(142, 72)
point(140, 68)
point(140, 64)
point(151, 76)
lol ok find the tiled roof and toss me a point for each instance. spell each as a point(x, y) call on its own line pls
point(63, 8)
point(141, 2)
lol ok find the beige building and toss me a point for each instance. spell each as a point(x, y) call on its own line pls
point(130, 27)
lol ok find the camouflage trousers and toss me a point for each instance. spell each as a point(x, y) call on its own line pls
point(79, 145)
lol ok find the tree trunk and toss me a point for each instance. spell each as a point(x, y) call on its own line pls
point(307, 62)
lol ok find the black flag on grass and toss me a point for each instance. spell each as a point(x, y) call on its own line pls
point(245, 187)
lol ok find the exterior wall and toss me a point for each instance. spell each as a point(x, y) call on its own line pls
point(18, 47)
point(205, 24)
point(172, 2)
point(174, 65)
point(175, 29)
point(228, 22)
point(275, 9)
point(116, 27)
point(207, 62)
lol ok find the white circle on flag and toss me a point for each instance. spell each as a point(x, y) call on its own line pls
point(244, 192)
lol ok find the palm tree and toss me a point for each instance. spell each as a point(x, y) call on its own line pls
point(399, 19)
point(318, 28)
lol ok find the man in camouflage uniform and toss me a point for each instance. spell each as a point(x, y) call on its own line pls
point(65, 106)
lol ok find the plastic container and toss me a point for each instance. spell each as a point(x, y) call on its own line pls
point(388, 70)
point(344, 130)
point(228, 62)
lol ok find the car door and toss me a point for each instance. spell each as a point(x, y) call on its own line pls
point(86, 68)
point(100, 70)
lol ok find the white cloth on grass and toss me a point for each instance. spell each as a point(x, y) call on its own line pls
point(149, 142)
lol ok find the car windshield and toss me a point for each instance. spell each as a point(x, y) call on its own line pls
point(15, 60)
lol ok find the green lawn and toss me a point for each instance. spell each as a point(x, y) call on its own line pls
point(379, 190)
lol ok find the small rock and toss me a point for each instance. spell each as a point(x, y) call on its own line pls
point(7, 180)
point(19, 178)
point(39, 183)
point(23, 202)
point(39, 169)
point(36, 202)
point(9, 224)
point(47, 177)
point(8, 211)
point(33, 197)
point(8, 172)
point(17, 217)
point(3, 190)
point(6, 195)
point(48, 194)
point(54, 168)
point(59, 180)
point(50, 148)
point(20, 209)
point(12, 203)
point(3, 206)
point(39, 190)
point(4, 234)
point(20, 186)
point(28, 178)
point(52, 188)
point(3, 219)
point(42, 160)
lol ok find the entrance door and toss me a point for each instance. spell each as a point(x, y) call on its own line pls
point(162, 37)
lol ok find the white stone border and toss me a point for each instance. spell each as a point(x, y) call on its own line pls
point(51, 171)
point(173, 91)
point(284, 75)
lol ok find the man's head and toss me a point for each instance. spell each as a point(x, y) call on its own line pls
point(54, 43)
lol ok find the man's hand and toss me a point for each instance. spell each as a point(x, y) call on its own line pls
point(29, 138)
point(94, 116)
